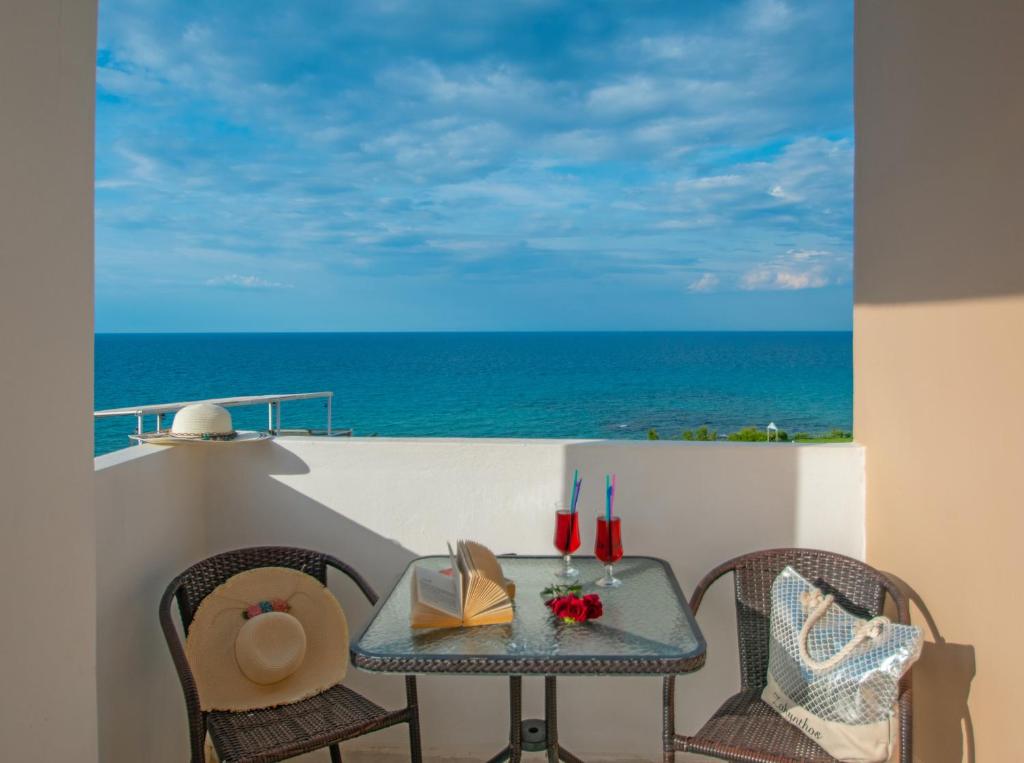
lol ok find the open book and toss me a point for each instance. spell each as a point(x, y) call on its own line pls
point(473, 592)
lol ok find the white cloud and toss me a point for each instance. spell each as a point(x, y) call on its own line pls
point(245, 282)
point(345, 138)
point(687, 224)
point(768, 15)
point(705, 283)
point(630, 96)
point(709, 182)
point(796, 270)
point(113, 183)
point(771, 277)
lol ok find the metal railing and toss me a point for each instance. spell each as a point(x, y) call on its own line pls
point(273, 403)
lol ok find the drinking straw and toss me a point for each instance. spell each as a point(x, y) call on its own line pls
point(611, 503)
point(575, 494)
point(608, 499)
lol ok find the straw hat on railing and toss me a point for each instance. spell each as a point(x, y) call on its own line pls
point(203, 423)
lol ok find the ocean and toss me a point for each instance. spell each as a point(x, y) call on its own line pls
point(603, 385)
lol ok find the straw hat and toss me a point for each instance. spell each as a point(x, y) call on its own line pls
point(266, 637)
point(201, 422)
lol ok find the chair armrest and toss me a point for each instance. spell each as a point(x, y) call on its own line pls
point(358, 579)
point(196, 717)
point(706, 581)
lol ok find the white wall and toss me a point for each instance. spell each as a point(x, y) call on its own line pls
point(150, 525)
point(379, 502)
point(47, 60)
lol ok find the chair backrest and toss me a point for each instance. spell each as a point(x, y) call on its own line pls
point(199, 580)
point(858, 588)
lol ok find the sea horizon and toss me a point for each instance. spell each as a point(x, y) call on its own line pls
point(548, 384)
point(488, 331)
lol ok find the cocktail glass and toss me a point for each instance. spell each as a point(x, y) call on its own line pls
point(608, 548)
point(567, 540)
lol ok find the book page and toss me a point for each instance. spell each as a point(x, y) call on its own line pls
point(439, 591)
point(459, 577)
point(485, 590)
point(484, 560)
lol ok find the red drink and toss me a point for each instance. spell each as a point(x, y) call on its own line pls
point(567, 531)
point(608, 544)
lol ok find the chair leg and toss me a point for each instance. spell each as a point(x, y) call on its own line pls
point(415, 751)
point(335, 754)
point(668, 719)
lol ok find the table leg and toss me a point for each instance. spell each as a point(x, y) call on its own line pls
point(514, 751)
point(551, 716)
point(515, 731)
point(534, 735)
point(555, 751)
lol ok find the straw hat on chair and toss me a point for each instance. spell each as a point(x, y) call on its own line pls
point(266, 637)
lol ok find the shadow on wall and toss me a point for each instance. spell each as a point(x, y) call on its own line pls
point(942, 687)
point(280, 515)
point(283, 516)
point(931, 78)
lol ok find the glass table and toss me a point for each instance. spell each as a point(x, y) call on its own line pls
point(647, 629)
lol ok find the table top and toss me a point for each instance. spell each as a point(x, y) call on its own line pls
point(647, 627)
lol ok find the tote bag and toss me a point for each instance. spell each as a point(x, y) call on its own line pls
point(833, 675)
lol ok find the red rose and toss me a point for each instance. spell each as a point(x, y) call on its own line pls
point(592, 602)
point(574, 609)
point(557, 605)
point(569, 608)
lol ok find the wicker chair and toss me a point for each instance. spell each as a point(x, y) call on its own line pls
point(744, 728)
point(283, 732)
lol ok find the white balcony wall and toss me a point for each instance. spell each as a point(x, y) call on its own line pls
point(150, 525)
point(377, 503)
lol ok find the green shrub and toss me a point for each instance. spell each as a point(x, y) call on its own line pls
point(703, 434)
point(833, 435)
point(749, 434)
point(756, 434)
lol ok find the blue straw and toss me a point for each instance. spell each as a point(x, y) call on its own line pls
point(608, 499)
point(576, 482)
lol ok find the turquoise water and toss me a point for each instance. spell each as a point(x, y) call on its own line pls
point(609, 385)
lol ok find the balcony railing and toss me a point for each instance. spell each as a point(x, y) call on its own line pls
point(273, 403)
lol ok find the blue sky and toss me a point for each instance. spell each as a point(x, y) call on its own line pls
point(417, 165)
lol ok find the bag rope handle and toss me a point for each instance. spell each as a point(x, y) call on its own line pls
point(868, 629)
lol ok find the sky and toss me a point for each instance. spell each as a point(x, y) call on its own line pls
point(525, 165)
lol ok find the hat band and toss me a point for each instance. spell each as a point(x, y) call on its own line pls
point(204, 435)
point(268, 605)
